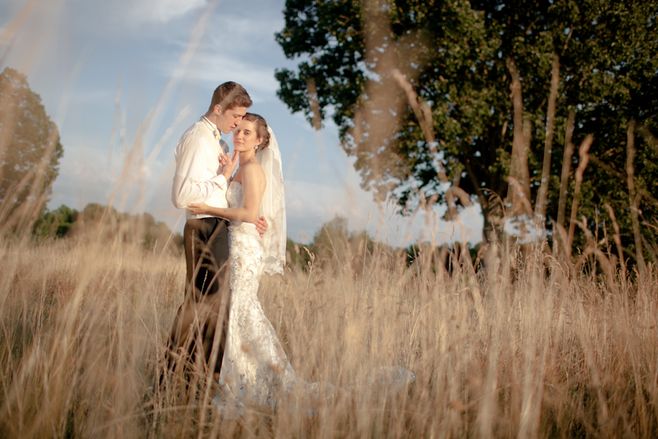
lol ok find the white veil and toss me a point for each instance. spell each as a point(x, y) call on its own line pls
point(273, 208)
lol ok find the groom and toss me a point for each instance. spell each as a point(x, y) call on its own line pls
point(203, 169)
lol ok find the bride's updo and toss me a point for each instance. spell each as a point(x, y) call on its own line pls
point(261, 129)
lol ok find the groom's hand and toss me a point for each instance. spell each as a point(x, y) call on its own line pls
point(198, 208)
point(261, 226)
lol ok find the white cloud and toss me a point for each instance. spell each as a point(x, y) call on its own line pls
point(234, 47)
point(245, 31)
point(31, 33)
point(82, 178)
point(213, 67)
point(102, 95)
point(95, 170)
point(161, 11)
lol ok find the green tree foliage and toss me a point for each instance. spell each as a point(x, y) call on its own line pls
point(457, 57)
point(55, 223)
point(30, 149)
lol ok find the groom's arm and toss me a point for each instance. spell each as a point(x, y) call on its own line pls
point(253, 185)
point(189, 185)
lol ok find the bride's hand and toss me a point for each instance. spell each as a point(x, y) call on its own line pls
point(198, 208)
point(229, 162)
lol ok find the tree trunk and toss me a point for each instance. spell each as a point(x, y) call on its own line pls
point(518, 194)
point(542, 194)
point(632, 193)
point(566, 168)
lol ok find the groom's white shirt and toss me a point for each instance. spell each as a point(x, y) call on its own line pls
point(198, 177)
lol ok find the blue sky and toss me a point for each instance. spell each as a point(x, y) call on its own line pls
point(123, 79)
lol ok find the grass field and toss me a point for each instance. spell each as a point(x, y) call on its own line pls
point(525, 347)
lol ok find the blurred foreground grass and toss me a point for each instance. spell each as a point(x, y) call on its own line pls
point(526, 346)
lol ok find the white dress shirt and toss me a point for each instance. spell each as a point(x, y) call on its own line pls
point(198, 177)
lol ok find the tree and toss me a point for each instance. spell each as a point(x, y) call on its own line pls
point(97, 222)
point(457, 61)
point(30, 151)
point(335, 248)
point(331, 241)
point(55, 223)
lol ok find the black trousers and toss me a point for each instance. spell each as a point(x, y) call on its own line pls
point(198, 334)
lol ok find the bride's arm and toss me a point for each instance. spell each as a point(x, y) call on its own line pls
point(253, 185)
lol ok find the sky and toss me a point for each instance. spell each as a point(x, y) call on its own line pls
point(123, 79)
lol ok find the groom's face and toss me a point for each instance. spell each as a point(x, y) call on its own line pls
point(229, 119)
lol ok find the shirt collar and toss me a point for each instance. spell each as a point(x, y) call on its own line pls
point(212, 127)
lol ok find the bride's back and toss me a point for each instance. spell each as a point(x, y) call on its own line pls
point(251, 179)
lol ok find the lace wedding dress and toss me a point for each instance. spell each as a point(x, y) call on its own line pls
point(255, 367)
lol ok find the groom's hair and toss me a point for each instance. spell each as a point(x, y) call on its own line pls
point(229, 95)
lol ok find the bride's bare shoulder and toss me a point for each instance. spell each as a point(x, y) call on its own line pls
point(254, 172)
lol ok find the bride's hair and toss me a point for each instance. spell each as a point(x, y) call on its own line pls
point(261, 129)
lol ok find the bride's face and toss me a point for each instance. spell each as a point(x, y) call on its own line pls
point(245, 137)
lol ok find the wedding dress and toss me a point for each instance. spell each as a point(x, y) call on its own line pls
point(255, 367)
point(255, 370)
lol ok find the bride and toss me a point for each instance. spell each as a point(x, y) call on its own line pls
point(254, 367)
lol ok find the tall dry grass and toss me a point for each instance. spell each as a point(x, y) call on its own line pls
point(529, 345)
point(526, 346)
